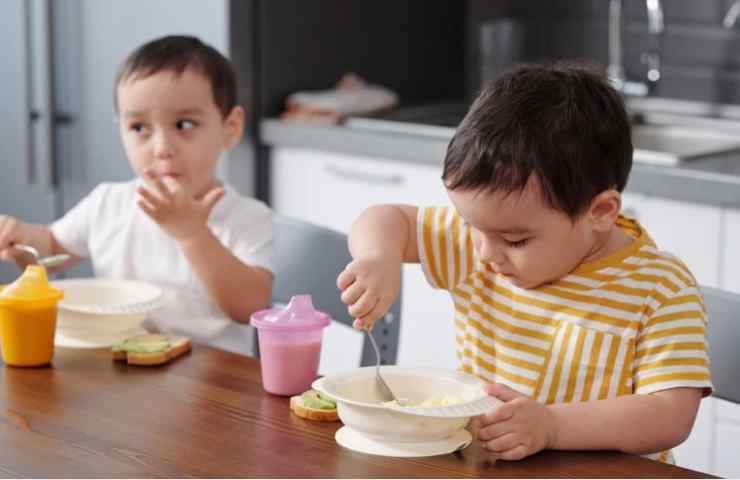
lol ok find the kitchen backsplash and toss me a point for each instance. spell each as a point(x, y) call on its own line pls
point(700, 57)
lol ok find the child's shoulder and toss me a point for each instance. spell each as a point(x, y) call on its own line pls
point(237, 208)
point(111, 195)
point(659, 265)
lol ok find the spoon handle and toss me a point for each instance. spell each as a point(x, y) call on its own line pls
point(27, 248)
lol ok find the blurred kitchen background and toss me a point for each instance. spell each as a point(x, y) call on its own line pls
point(676, 61)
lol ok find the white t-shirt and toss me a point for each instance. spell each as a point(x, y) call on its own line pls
point(108, 227)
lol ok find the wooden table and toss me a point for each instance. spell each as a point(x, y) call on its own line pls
point(206, 415)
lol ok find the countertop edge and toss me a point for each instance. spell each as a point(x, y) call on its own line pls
point(695, 184)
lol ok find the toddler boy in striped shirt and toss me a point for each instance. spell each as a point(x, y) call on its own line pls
point(592, 337)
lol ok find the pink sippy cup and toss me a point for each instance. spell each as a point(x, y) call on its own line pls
point(290, 345)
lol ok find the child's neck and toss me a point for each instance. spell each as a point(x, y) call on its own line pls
point(610, 242)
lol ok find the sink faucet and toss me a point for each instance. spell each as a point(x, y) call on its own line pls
point(731, 16)
point(651, 57)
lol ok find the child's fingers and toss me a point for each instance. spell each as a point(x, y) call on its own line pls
point(368, 321)
point(158, 184)
point(147, 208)
point(352, 293)
point(501, 413)
point(502, 443)
point(345, 279)
point(212, 197)
point(493, 430)
point(6, 232)
point(150, 198)
point(363, 305)
point(516, 453)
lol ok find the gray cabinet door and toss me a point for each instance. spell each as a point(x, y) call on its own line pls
point(27, 187)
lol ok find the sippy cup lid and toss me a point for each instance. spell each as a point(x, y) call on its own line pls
point(299, 315)
point(30, 289)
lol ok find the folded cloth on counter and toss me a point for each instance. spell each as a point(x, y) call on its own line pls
point(351, 96)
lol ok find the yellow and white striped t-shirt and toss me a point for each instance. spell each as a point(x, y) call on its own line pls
point(632, 322)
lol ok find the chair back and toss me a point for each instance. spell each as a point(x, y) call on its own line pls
point(723, 310)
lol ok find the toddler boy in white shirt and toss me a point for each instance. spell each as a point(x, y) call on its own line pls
point(176, 225)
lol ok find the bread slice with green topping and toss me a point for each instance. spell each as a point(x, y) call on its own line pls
point(313, 405)
point(150, 349)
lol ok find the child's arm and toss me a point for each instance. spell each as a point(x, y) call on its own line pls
point(637, 424)
point(239, 289)
point(40, 237)
point(381, 239)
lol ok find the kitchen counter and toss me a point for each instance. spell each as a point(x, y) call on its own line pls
point(713, 181)
point(206, 415)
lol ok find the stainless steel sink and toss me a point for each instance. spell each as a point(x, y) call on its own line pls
point(665, 138)
point(673, 144)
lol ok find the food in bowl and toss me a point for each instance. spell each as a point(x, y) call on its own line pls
point(435, 401)
point(362, 408)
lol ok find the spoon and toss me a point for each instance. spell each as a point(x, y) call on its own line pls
point(48, 261)
point(383, 388)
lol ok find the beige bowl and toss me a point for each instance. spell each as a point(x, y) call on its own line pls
point(97, 312)
point(360, 406)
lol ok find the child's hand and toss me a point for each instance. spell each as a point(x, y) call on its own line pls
point(174, 208)
point(11, 232)
point(369, 287)
point(519, 427)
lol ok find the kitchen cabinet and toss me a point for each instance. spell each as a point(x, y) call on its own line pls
point(332, 189)
point(59, 138)
point(726, 458)
point(731, 246)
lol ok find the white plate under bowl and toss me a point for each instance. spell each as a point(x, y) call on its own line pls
point(353, 440)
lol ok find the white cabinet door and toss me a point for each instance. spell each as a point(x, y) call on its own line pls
point(691, 232)
point(332, 189)
point(695, 452)
point(727, 450)
point(727, 442)
point(731, 259)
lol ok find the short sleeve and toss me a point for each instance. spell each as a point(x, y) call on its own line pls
point(445, 244)
point(672, 347)
point(251, 239)
point(73, 230)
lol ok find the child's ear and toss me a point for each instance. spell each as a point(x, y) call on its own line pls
point(604, 210)
point(234, 124)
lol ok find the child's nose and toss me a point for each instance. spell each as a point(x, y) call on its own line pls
point(489, 253)
point(163, 146)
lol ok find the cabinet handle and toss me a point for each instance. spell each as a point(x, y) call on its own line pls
point(40, 68)
point(365, 177)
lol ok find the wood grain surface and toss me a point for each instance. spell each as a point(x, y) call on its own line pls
point(206, 415)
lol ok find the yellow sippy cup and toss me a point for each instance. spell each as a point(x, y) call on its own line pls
point(28, 316)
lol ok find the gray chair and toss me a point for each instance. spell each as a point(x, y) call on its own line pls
point(308, 259)
point(723, 309)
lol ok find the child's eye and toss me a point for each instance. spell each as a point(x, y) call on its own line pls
point(519, 243)
point(136, 127)
point(185, 124)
